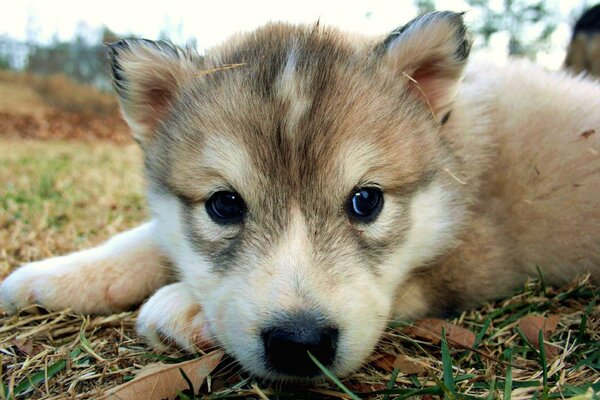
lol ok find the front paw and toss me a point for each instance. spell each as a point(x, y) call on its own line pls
point(84, 282)
point(173, 317)
point(18, 290)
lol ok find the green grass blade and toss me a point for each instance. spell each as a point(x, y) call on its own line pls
point(492, 389)
point(3, 389)
point(443, 388)
point(482, 332)
point(85, 343)
point(391, 382)
point(520, 332)
point(544, 364)
point(582, 326)
point(542, 279)
point(507, 393)
point(447, 365)
point(188, 381)
point(584, 319)
point(40, 376)
point(183, 396)
point(465, 377)
point(334, 378)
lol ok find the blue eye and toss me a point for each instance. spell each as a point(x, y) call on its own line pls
point(365, 204)
point(226, 208)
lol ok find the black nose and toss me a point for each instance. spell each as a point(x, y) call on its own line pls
point(288, 342)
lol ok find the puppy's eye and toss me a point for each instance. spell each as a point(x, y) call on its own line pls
point(365, 204)
point(226, 208)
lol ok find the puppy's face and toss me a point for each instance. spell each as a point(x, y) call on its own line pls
point(297, 179)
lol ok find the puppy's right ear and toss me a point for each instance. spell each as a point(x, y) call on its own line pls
point(147, 75)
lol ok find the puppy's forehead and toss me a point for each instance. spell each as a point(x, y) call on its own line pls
point(304, 109)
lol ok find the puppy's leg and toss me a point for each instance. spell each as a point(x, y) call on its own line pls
point(173, 316)
point(109, 278)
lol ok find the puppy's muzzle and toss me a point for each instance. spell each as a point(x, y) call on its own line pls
point(288, 341)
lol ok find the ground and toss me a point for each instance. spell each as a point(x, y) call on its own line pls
point(62, 196)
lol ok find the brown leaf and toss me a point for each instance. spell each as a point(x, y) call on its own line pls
point(163, 381)
point(430, 329)
point(362, 387)
point(531, 326)
point(588, 133)
point(26, 346)
point(408, 366)
point(385, 362)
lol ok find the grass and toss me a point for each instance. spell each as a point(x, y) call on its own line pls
point(58, 92)
point(54, 107)
point(57, 197)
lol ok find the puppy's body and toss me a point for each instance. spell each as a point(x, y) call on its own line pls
point(533, 170)
point(469, 184)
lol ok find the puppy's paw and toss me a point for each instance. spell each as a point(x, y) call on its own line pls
point(88, 282)
point(59, 283)
point(17, 291)
point(173, 317)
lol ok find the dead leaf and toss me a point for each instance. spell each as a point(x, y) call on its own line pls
point(531, 326)
point(24, 345)
point(363, 387)
point(27, 346)
point(385, 362)
point(430, 329)
point(408, 365)
point(588, 133)
point(164, 381)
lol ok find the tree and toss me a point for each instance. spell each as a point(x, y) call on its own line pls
point(83, 58)
point(529, 24)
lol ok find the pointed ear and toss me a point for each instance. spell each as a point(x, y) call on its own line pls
point(147, 76)
point(430, 52)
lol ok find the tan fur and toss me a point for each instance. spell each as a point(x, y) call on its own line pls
point(94, 281)
point(101, 287)
point(486, 172)
point(181, 321)
point(539, 199)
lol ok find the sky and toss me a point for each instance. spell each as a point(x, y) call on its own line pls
point(211, 22)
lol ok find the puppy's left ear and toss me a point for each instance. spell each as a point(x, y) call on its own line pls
point(430, 52)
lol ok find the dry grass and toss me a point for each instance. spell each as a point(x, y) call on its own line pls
point(56, 92)
point(54, 107)
point(56, 197)
point(68, 96)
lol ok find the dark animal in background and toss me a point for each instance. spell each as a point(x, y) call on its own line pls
point(583, 53)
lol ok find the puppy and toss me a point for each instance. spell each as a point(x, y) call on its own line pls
point(307, 186)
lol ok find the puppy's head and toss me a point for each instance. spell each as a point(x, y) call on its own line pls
point(297, 175)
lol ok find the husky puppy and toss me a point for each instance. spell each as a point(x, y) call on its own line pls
point(307, 186)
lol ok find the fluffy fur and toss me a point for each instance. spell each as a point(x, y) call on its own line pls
point(486, 174)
